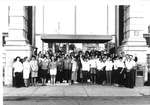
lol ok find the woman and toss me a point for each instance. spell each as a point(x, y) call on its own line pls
point(74, 71)
point(109, 67)
point(44, 70)
point(53, 70)
point(121, 70)
point(93, 67)
point(85, 69)
point(130, 64)
point(26, 71)
point(99, 75)
point(40, 58)
point(67, 69)
point(59, 76)
point(115, 72)
point(17, 72)
point(34, 70)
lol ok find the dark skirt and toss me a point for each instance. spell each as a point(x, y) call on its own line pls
point(18, 79)
point(84, 76)
point(93, 70)
point(99, 77)
point(44, 73)
point(67, 74)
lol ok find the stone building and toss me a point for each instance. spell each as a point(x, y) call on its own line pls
point(131, 24)
point(20, 40)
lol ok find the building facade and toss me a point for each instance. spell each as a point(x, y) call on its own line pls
point(131, 24)
point(20, 40)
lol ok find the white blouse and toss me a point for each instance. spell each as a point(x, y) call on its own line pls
point(100, 65)
point(92, 63)
point(109, 65)
point(85, 65)
point(18, 67)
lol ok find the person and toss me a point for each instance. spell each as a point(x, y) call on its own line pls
point(59, 75)
point(85, 69)
point(121, 70)
point(26, 71)
point(109, 66)
point(99, 75)
point(93, 67)
point(34, 70)
point(130, 64)
point(40, 59)
point(44, 69)
point(115, 72)
point(17, 72)
point(67, 69)
point(53, 70)
point(74, 71)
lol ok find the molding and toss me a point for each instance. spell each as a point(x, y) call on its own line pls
point(136, 50)
point(19, 16)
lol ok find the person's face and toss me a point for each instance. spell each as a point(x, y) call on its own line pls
point(48, 57)
point(40, 55)
point(33, 58)
point(27, 59)
point(52, 58)
point(18, 59)
point(44, 57)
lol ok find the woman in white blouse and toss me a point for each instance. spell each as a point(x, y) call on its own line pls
point(17, 72)
point(85, 68)
point(100, 72)
point(109, 66)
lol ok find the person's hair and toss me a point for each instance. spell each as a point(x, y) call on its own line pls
point(25, 58)
point(17, 58)
point(44, 56)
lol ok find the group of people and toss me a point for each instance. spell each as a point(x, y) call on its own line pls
point(92, 67)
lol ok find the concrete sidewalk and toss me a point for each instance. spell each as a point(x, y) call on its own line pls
point(75, 90)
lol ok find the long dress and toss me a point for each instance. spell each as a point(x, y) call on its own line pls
point(26, 70)
point(34, 68)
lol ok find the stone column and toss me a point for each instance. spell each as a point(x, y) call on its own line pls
point(17, 42)
point(53, 48)
point(67, 48)
point(33, 25)
point(117, 26)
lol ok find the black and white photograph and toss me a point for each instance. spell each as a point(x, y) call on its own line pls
point(75, 52)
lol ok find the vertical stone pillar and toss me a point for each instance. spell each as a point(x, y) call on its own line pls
point(17, 42)
point(67, 48)
point(53, 48)
point(33, 25)
point(117, 26)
